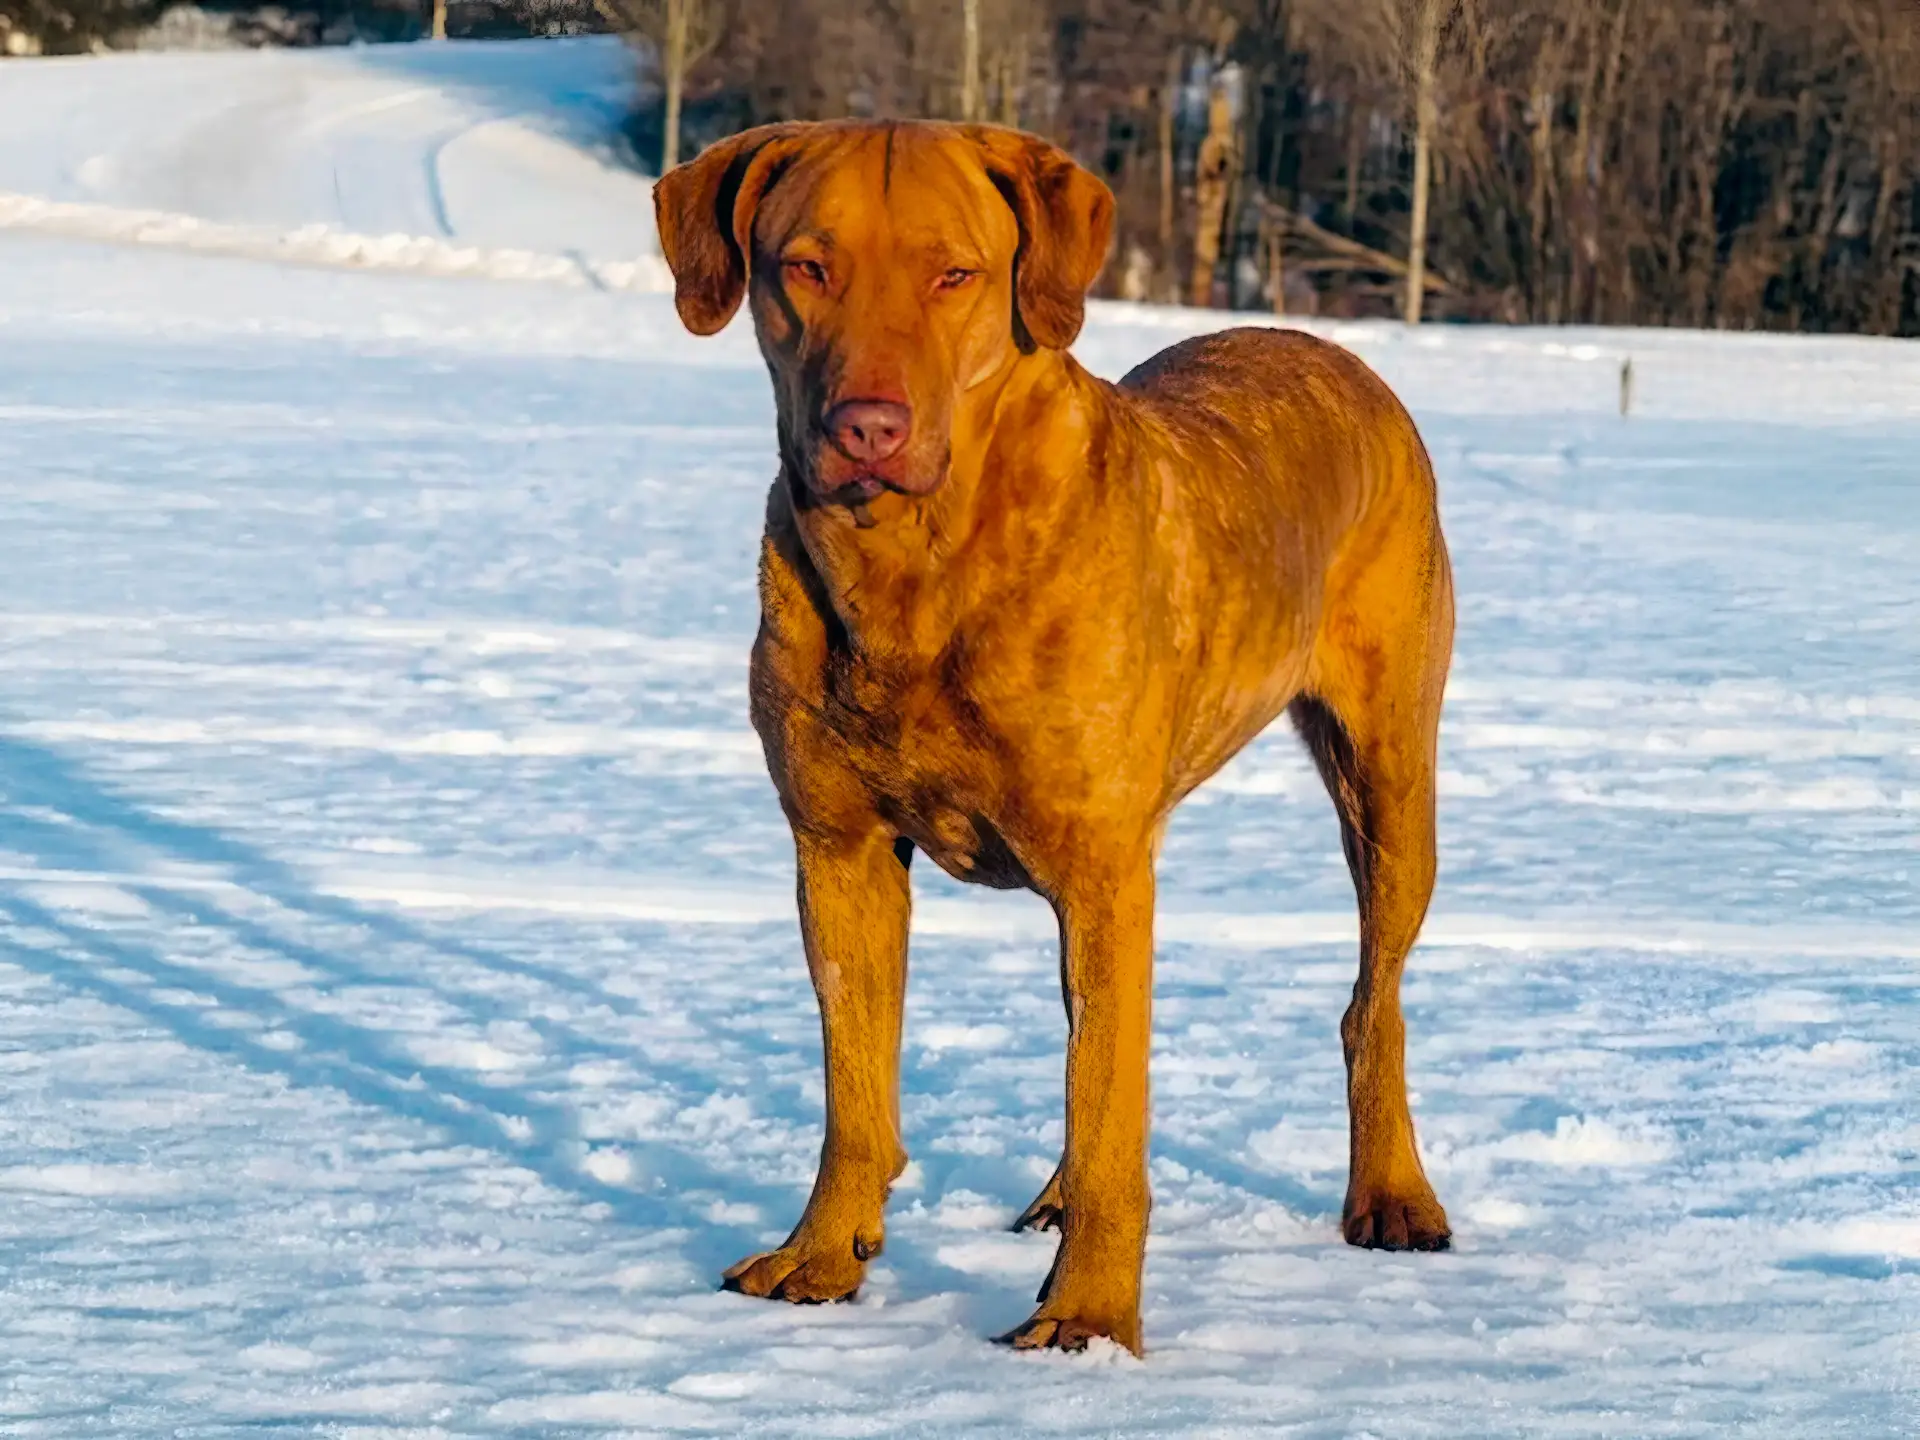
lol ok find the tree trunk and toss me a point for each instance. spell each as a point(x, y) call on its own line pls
point(1425, 58)
point(1593, 165)
point(1882, 313)
point(1212, 187)
point(1356, 159)
point(1537, 264)
point(1276, 238)
point(1169, 104)
point(970, 107)
point(439, 19)
point(675, 65)
point(1009, 90)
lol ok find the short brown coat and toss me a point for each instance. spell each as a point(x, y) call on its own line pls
point(1019, 643)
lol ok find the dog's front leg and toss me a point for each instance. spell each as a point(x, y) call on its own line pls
point(1106, 937)
point(854, 903)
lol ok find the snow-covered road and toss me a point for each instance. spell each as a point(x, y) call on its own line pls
point(401, 1013)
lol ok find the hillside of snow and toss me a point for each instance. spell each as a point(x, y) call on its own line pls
point(402, 1018)
point(502, 160)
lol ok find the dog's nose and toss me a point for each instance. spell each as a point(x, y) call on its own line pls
point(870, 430)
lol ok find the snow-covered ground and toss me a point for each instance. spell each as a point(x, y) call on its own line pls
point(496, 160)
point(401, 1013)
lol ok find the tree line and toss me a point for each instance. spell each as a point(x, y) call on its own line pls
point(1742, 164)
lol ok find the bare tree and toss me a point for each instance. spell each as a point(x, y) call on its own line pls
point(1425, 57)
point(1212, 185)
point(970, 89)
point(681, 33)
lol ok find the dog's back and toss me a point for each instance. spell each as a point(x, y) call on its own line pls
point(1306, 415)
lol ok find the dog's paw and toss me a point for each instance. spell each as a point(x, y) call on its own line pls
point(1048, 1330)
point(1385, 1221)
point(1046, 1212)
point(800, 1275)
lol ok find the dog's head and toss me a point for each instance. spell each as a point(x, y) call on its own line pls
point(892, 268)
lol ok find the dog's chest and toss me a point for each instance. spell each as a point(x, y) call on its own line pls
point(933, 764)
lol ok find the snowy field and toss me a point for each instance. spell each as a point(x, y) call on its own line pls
point(402, 1018)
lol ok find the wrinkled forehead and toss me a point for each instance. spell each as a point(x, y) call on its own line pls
point(879, 187)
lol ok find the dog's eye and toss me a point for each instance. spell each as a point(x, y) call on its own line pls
point(811, 271)
point(956, 277)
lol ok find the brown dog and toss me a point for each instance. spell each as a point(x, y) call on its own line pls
point(1011, 615)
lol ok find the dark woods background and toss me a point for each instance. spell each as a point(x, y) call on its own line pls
point(1730, 163)
point(1733, 163)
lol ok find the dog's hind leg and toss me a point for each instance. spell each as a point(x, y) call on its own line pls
point(1048, 1209)
point(1371, 718)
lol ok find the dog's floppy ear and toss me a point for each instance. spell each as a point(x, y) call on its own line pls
point(1066, 223)
point(704, 209)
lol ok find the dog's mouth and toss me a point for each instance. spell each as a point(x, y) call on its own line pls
point(861, 489)
point(868, 484)
point(825, 476)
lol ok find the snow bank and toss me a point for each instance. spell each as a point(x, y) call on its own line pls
point(323, 245)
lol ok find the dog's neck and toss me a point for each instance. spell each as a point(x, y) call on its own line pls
point(903, 577)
